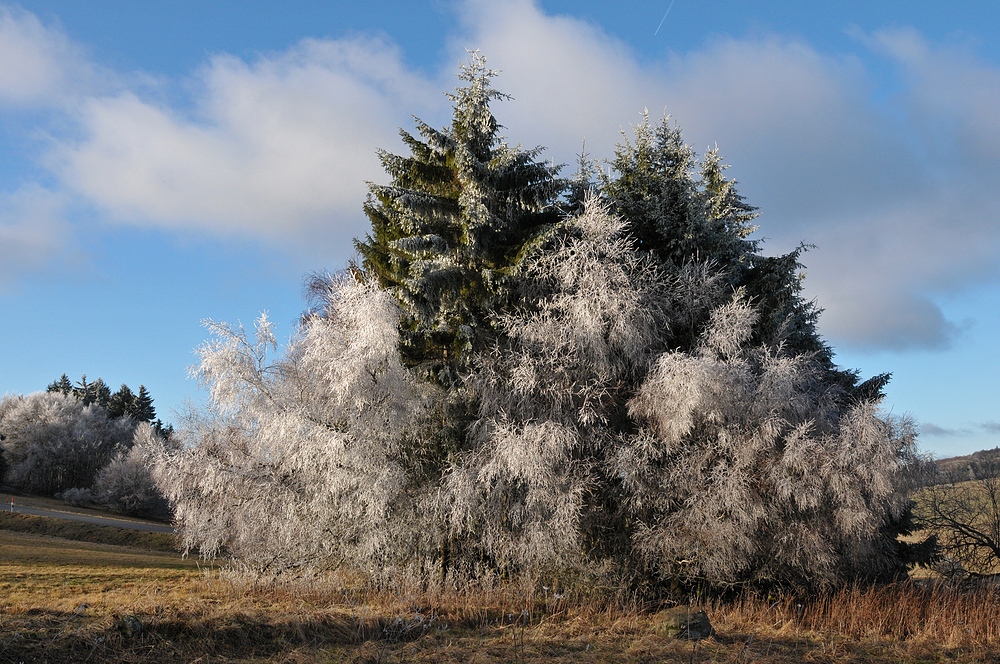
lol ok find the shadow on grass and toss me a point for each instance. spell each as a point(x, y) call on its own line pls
point(41, 635)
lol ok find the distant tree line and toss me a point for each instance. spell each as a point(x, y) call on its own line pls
point(980, 465)
point(83, 443)
point(138, 406)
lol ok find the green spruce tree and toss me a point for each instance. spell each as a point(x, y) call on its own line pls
point(679, 210)
point(144, 410)
point(62, 386)
point(123, 402)
point(453, 225)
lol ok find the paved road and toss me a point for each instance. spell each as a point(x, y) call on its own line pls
point(95, 520)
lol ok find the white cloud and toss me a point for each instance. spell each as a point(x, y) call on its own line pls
point(279, 148)
point(771, 104)
point(938, 234)
point(32, 232)
point(570, 81)
point(929, 429)
point(952, 97)
point(39, 65)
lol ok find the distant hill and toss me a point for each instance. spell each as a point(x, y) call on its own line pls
point(975, 466)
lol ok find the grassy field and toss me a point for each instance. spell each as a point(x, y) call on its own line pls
point(81, 532)
point(64, 600)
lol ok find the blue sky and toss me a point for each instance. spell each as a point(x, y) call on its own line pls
point(163, 162)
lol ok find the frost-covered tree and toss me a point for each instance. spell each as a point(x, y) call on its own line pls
point(728, 462)
point(748, 466)
point(54, 442)
point(314, 458)
point(551, 397)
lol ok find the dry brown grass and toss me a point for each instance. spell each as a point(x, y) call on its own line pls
point(64, 601)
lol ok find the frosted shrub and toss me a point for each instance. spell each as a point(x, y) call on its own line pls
point(126, 484)
point(749, 467)
point(594, 440)
point(547, 394)
point(298, 464)
point(504, 390)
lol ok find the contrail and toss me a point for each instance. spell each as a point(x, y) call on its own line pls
point(664, 16)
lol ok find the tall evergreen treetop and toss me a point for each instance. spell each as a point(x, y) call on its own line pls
point(684, 210)
point(123, 402)
point(96, 392)
point(63, 386)
point(454, 224)
point(144, 409)
point(679, 210)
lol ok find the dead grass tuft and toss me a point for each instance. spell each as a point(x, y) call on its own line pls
point(941, 613)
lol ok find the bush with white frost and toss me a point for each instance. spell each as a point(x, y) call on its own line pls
point(125, 484)
point(547, 396)
point(307, 460)
point(630, 390)
point(747, 466)
point(593, 441)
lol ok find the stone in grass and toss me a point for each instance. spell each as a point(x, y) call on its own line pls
point(130, 626)
point(683, 622)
